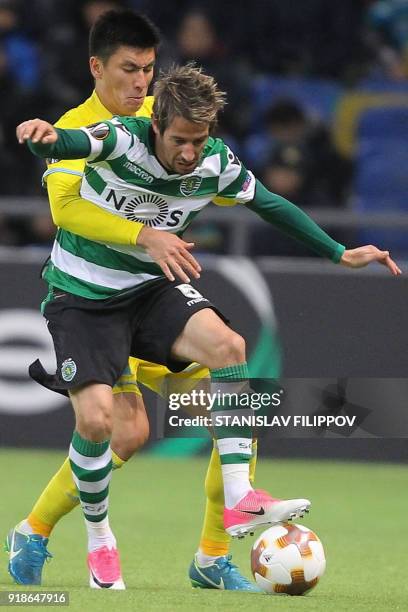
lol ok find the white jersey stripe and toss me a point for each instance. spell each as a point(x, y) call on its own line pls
point(134, 251)
point(211, 166)
point(96, 145)
point(92, 273)
point(122, 144)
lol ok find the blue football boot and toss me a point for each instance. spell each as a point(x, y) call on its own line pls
point(221, 574)
point(27, 555)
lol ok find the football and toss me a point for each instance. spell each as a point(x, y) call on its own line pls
point(287, 559)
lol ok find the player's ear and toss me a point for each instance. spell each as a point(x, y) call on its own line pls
point(155, 125)
point(96, 67)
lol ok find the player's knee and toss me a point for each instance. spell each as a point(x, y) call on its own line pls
point(229, 349)
point(95, 423)
point(95, 427)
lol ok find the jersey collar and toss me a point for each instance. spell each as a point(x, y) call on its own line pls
point(99, 108)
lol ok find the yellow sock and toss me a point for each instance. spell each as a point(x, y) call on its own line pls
point(117, 462)
point(252, 463)
point(59, 497)
point(214, 539)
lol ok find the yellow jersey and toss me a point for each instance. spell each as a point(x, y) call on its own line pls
point(89, 112)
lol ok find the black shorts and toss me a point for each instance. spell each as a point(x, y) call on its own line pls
point(93, 339)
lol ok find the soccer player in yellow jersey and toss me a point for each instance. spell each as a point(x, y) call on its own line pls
point(122, 55)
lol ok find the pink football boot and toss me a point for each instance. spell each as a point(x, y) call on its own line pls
point(104, 569)
point(258, 509)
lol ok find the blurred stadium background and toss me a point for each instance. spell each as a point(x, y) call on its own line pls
point(318, 108)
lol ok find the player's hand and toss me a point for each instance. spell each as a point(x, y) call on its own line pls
point(36, 130)
point(363, 256)
point(171, 253)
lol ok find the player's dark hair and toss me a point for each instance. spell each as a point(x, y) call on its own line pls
point(119, 28)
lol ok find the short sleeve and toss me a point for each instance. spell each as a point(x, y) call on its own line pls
point(108, 139)
point(236, 183)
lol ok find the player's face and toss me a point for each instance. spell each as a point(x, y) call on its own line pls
point(122, 81)
point(180, 146)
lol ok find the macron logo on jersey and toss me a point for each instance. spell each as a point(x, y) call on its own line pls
point(139, 172)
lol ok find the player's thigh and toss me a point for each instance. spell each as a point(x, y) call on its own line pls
point(206, 339)
point(166, 311)
point(91, 341)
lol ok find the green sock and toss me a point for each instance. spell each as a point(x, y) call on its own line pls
point(91, 464)
point(234, 438)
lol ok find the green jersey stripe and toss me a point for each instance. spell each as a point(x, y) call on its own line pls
point(94, 179)
point(138, 176)
point(187, 222)
point(139, 126)
point(57, 278)
point(223, 158)
point(98, 253)
point(108, 144)
point(88, 278)
point(94, 273)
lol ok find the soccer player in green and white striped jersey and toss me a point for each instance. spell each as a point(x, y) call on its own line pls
point(124, 176)
point(118, 301)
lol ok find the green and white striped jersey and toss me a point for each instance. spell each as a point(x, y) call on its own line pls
point(123, 176)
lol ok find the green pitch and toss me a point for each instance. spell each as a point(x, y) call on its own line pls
point(359, 511)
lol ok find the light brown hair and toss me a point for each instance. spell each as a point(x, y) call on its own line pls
point(185, 91)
